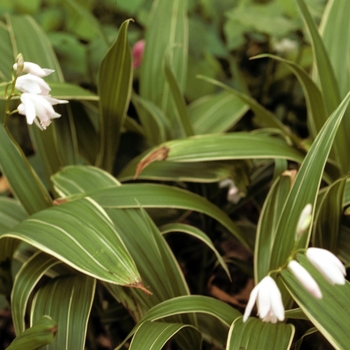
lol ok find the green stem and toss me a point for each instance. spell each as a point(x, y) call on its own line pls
point(7, 114)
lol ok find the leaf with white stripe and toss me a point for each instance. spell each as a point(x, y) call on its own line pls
point(67, 300)
point(80, 234)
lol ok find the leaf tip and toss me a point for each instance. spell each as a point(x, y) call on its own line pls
point(158, 154)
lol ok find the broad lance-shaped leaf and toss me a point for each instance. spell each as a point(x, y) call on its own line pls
point(327, 314)
point(80, 234)
point(256, 334)
point(160, 196)
point(39, 335)
point(115, 78)
point(328, 84)
point(24, 182)
point(239, 145)
point(68, 300)
point(154, 335)
point(305, 188)
point(171, 17)
point(25, 282)
point(187, 305)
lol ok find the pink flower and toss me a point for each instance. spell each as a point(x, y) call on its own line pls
point(137, 53)
point(38, 109)
point(268, 299)
point(33, 68)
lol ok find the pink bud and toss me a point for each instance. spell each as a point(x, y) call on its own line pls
point(137, 53)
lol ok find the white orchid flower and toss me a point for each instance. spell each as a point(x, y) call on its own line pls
point(32, 84)
point(33, 68)
point(305, 278)
point(268, 299)
point(328, 264)
point(38, 109)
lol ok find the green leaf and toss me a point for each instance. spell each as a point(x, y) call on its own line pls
point(328, 83)
point(154, 335)
point(317, 114)
point(160, 196)
point(329, 215)
point(327, 314)
point(171, 17)
point(264, 116)
point(337, 40)
point(138, 195)
point(195, 232)
point(114, 87)
point(203, 172)
point(24, 182)
point(268, 222)
point(81, 178)
point(156, 264)
point(11, 213)
point(102, 256)
point(255, 335)
point(183, 121)
point(40, 334)
point(218, 147)
point(216, 113)
point(25, 282)
point(156, 125)
point(305, 188)
point(81, 21)
point(68, 300)
point(189, 304)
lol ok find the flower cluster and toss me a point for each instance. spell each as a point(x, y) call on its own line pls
point(36, 101)
point(268, 297)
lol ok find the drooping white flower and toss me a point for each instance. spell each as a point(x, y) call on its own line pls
point(328, 264)
point(33, 68)
point(304, 219)
point(233, 193)
point(305, 279)
point(268, 299)
point(32, 84)
point(38, 109)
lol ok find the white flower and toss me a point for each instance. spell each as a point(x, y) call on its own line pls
point(32, 84)
point(328, 264)
point(285, 46)
point(305, 279)
point(39, 106)
point(268, 299)
point(233, 193)
point(304, 220)
point(33, 68)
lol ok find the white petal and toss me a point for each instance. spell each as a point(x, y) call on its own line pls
point(27, 85)
point(251, 302)
point(305, 279)
point(264, 300)
point(276, 303)
point(328, 264)
point(55, 101)
point(27, 108)
point(33, 68)
point(304, 219)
